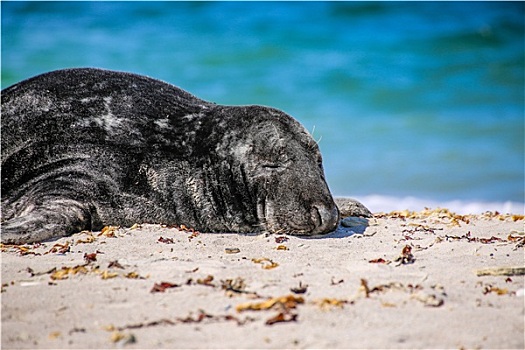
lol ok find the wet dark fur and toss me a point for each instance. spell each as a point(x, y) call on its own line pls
point(84, 148)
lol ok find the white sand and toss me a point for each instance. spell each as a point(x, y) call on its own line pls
point(436, 301)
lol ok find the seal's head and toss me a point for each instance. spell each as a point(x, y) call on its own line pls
point(280, 167)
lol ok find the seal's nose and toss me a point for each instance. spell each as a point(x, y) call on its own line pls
point(326, 219)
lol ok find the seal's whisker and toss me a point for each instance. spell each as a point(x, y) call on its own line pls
point(313, 137)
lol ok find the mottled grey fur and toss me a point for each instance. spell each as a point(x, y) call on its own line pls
point(84, 148)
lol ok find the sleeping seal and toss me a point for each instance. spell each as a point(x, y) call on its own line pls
point(84, 148)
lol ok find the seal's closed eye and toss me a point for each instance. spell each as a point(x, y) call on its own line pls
point(271, 166)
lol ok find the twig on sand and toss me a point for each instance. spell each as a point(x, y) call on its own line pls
point(501, 271)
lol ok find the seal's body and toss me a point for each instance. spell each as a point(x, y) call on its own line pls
point(84, 148)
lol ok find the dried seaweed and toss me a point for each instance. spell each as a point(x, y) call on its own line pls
point(194, 233)
point(489, 288)
point(335, 283)
point(86, 268)
point(54, 335)
point(428, 299)
point(202, 316)
point(406, 256)
point(266, 263)
point(165, 240)
point(329, 303)
point(502, 217)
point(439, 215)
point(445, 216)
point(232, 250)
point(162, 286)
point(32, 273)
point(105, 274)
point(502, 271)
point(134, 275)
point(109, 231)
point(76, 330)
point(20, 249)
point(468, 237)
point(364, 287)
point(90, 257)
point(65, 271)
point(89, 239)
point(379, 261)
point(123, 338)
point(237, 286)
point(285, 302)
point(519, 239)
point(421, 228)
point(135, 226)
point(115, 264)
point(415, 292)
point(58, 248)
point(299, 290)
point(206, 281)
point(281, 239)
point(282, 317)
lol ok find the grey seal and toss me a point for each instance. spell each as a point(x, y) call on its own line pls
point(84, 148)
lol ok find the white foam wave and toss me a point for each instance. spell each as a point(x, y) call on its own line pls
point(379, 203)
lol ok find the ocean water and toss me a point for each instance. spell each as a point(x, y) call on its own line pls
point(413, 104)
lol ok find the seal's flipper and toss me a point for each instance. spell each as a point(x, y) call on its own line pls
point(52, 219)
point(351, 207)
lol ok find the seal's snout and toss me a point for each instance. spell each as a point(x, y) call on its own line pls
point(325, 218)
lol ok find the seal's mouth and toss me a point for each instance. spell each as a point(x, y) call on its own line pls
point(319, 220)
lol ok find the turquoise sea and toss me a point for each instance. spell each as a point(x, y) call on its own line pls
point(414, 104)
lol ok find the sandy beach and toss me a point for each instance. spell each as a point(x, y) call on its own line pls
point(431, 279)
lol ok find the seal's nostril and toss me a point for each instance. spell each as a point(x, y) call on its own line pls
point(317, 218)
point(324, 218)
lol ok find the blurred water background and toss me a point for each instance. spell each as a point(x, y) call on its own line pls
point(414, 104)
